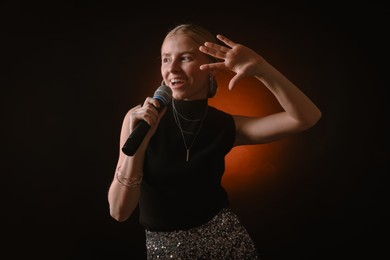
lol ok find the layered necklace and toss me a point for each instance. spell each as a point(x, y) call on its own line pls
point(189, 127)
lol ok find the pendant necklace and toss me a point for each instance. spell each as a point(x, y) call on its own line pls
point(176, 116)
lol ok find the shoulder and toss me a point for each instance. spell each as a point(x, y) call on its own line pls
point(219, 116)
point(217, 112)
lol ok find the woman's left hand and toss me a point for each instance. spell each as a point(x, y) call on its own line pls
point(236, 57)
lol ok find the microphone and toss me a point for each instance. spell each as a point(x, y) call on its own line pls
point(163, 94)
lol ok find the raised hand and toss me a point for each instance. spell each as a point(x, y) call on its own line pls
point(235, 57)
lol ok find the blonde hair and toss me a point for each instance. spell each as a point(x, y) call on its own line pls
point(199, 35)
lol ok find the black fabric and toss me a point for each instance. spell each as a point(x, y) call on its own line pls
point(176, 194)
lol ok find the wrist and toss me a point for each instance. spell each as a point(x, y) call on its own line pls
point(128, 181)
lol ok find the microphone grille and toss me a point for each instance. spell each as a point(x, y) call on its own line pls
point(163, 93)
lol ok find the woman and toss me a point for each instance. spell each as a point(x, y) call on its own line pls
point(175, 175)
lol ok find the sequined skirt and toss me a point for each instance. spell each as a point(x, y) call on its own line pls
point(223, 237)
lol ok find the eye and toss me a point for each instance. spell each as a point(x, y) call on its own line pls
point(186, 58)
point(165, 60)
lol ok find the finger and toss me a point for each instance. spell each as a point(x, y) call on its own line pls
point(217, 47)
point(150, 119)
point(214, 50)
point(147, 112)
point(233, 81)
point(152, 101)
point(226, 40)
point(156, 121)
point(151, 111)
point(213, 66)
point(137, 115)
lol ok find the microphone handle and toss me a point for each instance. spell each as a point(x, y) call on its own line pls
point(135, 139)
point(137, 136)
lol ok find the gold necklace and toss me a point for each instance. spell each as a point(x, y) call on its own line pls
point(177, 119)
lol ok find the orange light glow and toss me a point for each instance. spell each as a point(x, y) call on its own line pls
point(245, 165)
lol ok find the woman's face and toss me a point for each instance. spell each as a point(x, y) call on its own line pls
point(180, 62)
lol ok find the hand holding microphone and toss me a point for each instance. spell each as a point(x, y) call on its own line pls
point(163, 94)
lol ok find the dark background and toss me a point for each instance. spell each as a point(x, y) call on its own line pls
point(72, 70)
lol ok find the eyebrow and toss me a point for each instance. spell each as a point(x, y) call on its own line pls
point(181, 53)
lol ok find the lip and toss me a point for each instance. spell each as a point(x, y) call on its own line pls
point(177, 87)
point(178, 83)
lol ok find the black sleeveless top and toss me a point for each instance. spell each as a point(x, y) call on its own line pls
point(179, 194)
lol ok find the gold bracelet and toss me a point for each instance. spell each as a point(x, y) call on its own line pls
point(131, 182)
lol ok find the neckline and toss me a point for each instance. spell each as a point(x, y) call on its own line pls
point(191, 109)
point(196, 112)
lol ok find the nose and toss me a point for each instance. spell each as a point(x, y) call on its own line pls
point(174, 65)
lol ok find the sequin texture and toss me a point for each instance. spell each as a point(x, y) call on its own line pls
point(223, 237)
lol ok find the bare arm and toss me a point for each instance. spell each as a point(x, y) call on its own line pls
point(299, 114)
point(122, 198)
